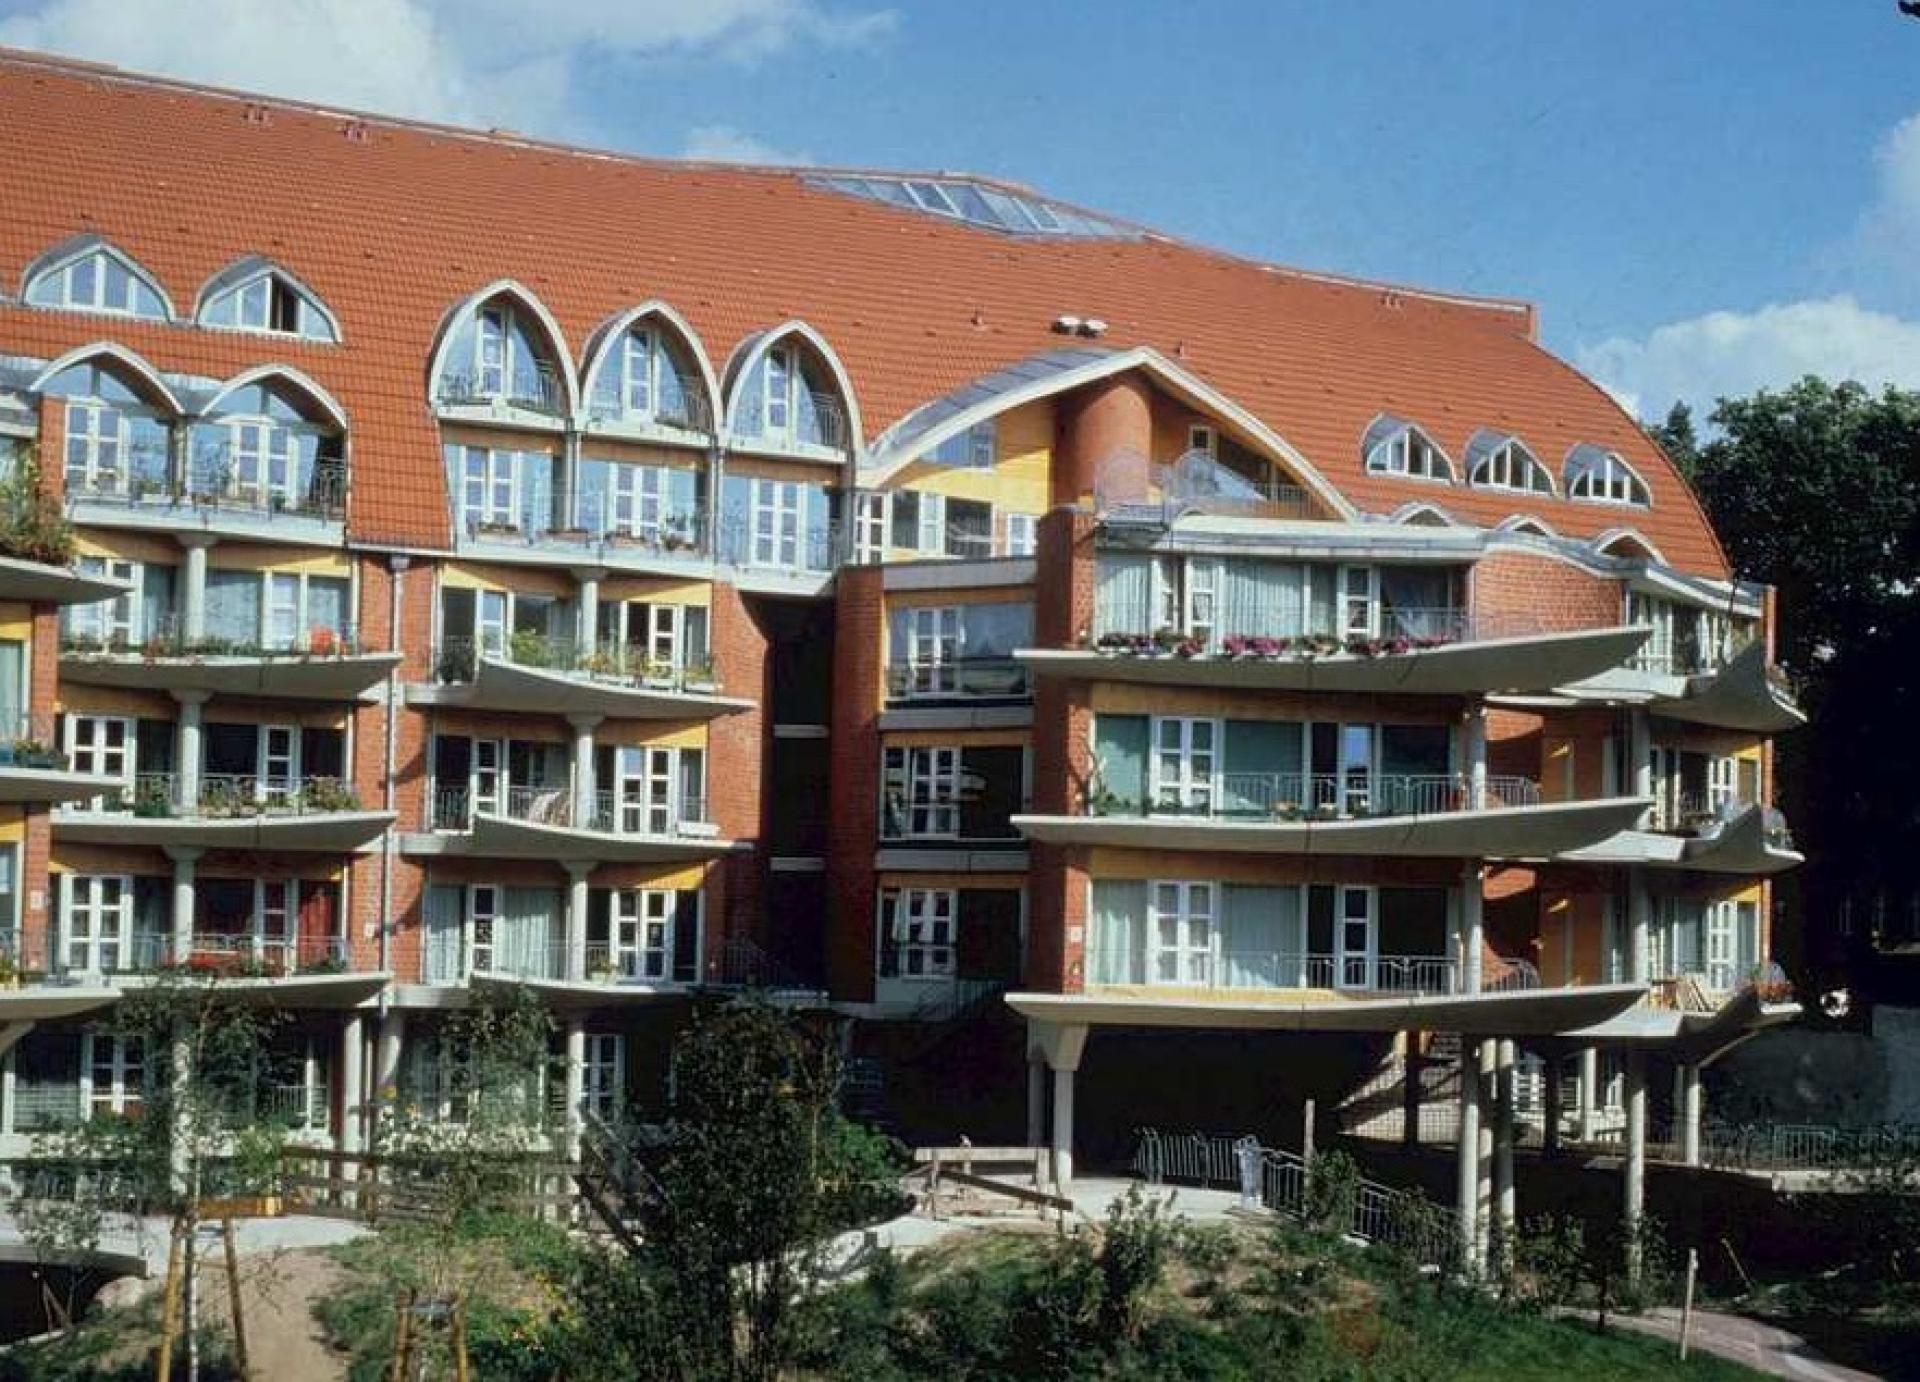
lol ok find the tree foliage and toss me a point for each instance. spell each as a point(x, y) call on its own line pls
point(1815, 490)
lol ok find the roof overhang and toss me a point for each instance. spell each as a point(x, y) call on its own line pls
point(41, 583)
point(1534, 1012)
point(1514, 832)
point(1739, 846)
point(1692, 1037)
point(506, 838)
point(50, 1002)
point(502, 685)
point(319, 832)
point(1741, 696)
point(1534, 662)
point(290, 678)
point(583, 993)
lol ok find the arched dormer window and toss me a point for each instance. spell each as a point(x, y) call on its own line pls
point(1394, 446)
point(270, 441)
point(90, 275)
point(255, 295)
point(793, 393)
point(119, 419)
point(1499, 460)
point(1526, 525)
point(502, 349)
point(1626, 544)
point(649, 369)
point(1599, 476)
point(1421, 516)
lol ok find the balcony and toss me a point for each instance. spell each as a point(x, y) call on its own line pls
point(321, 814)
point(212, 493)
point(966, 679)
point(1421, 652)
point(1741, 691)
point(1413, 815)
point(324, 665)
point(581, 528)
point(743, 543)
point(817, 427)
point(536, 674)
point(33, 772)
point(41, 582)
point(685, 418)
point(1728, 837)
point(592, 973)
point(531, 395)
point(1252, 972)
point(547, 823)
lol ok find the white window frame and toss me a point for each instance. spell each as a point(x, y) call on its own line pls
point(935, 636)
point(927, 934)
point(932, 792)
point(603, 1075)
point(1023, 534)
point(1510, 466)
point(1722, 946)
point(265, 459)
point(1609, 480)
point(872, 513)
point(104, 945)
point(1411, 453)
point(122, 1061)
point(114, 621)
point(1200, 600)
point(930, 528)
point(484, 365)
point(639, 501)
point(489, 486)
point(89, 752)
point(1182, 931)
point(646, 381)
point(1359, 596)
point(777, 509)
point(776, 392)
point(103, 435)
point(1356, 967)
point(97, 260)
point(1185, 764)
point(484, 902)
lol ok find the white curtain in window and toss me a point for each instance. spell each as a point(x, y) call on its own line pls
point(445, 906)
point(1116, 954)
point(1260, 599)
point(1262, 938)
point(233, 605)
point(1123, 594)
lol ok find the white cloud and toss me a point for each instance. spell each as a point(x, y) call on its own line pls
point(725, 144)
point(1725, 353)
point(486, 62)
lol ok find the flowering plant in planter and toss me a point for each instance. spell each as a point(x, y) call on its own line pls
point(1115, 643)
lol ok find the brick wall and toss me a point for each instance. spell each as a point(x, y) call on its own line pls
point(1530, 590)
point(853, 827)
point(737, 748)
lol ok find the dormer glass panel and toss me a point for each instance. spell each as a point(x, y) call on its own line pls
point(98, 280)
point(269, 302)
point(263, 448)
point(786, 400)
point(644, 379)
point(499, 356)
point(118, 444)
point(1600, 477)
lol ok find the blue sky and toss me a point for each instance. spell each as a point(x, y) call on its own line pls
point(1701, 196)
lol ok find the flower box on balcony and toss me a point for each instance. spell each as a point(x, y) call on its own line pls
point(700, 830)
point(496, 529)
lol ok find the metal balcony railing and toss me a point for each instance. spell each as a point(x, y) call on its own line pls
point(817, 419)
point(1321, 796)
point(296, 1107)
point(682, 815)
point(457, 660)
point(598, 962)
point(213, 480)
point(967, 678)
point(1386, 631)
point(745, 542)
point(689, 412)
point(1255, 970)
point(229, 796)
point(168, 639)
point(31, 741)
point(535, 390)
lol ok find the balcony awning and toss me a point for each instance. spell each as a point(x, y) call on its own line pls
point(573, 994)
point(1532, 1012)
point(1739, 846)
point(503, 837)
point(44, 1002)
point(1513, 832)
point(1691, 1037)
point(1741, 695)
point(41, 583)
point(1534, 662)
point(347, 990)
point(31, 785)
point(283, 678)
point(319, 832)
point(502, 685)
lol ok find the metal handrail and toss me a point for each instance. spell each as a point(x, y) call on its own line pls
point(1245, 970)
point(828, 430)
point(209, 482)
point(457, 659)
point(816, 546)
point(1328, 796)
point(557, 805)
point(168, 639)
point(536, 390)
point(225, 796)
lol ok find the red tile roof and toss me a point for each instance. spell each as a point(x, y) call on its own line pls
point(396, 222)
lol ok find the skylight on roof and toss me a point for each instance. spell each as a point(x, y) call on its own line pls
point(977, 203)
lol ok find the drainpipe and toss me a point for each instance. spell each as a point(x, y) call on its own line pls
point(398, 564)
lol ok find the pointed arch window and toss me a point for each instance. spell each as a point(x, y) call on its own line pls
point(499, 354)
point(1394, 446)
point(645, 377)
point(264, 446)
point(791, 398)
point(1496, 460)
point(119, 443)
point(98, 278)
point(264, 299)
point(1598, 476)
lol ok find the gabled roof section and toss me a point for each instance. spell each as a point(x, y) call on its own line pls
point(1057, 371)
point(917, 306)
point(524, 298)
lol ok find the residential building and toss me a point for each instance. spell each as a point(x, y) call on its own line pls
point(501, 565)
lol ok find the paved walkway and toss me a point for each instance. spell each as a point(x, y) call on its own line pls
point(133, 1240)
point(1761, 1346)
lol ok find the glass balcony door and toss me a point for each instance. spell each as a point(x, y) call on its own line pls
point(99, 922)
point(1185, 760)
point(1183, 933)
point(776, 523)
point(644, 791)
point(1358, 939)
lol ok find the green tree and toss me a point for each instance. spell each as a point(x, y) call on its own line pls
point(1815, 490)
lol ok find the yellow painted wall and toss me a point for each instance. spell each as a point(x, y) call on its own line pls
point(122, 546)
point(1019, 480)
point(528, 580)
point(656, 589)
point(16, 621)
point(254, 556)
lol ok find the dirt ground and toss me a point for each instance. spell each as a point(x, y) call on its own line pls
point(277, 1292)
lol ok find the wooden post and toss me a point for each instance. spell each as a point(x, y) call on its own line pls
point(233, 1293)
point(1686, 1302)
point(403, 1337)
point(461, 1372)
point(169, 1309)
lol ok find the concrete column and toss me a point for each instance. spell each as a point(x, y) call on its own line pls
point(193, 586)
point(1503, 1191)
point(1589, 1091)
point(1476, 756)
point(589, 579)
point(186, 778)
point(1550, 1105)
point(576, 1085)
point(1640, 754)
point(352, 1098)
point(1061, 1045)
point(1688, 1111)
point(1489, 1084)
point(1467, 1200)
point(386, 1058)
point(1634, 1199)
point(1413, 1063)
point(1472, 926)
point(583, 783)
point(1639, 926)
point(1036, 1098)
point(575, 967)
point(185, 861)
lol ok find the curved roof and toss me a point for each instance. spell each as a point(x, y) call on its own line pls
point(916, 306)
